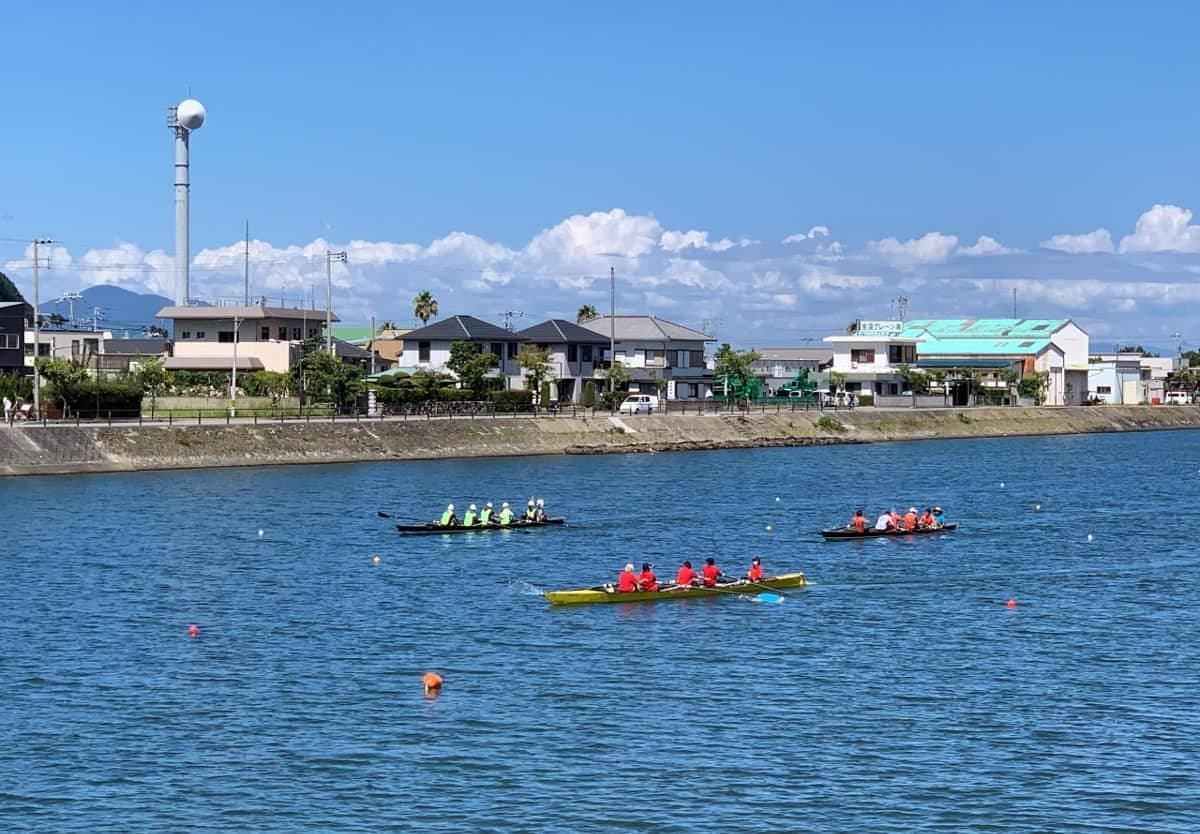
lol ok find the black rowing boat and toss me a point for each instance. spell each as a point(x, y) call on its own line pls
point(844, 533)
point(479, 528)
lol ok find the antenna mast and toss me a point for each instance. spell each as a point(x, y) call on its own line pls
point(509, 315)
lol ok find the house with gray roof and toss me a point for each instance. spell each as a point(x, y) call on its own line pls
point(428, 348)
point(575, 355)
point(657, 350)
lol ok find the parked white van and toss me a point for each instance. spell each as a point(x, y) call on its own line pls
point(1178, 398)
point(639, 404)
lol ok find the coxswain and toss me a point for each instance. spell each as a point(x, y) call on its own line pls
point(486, 517)
point(646, 580)
point(885, 521)
point(711, 572)
point(859, 522)
point(627, 582)
point(449, 519)
point(539, 514)
point(939, 517)
point(469, 518)
point(910, 519)
point(506, 515)
point(686, 575)
point(530, 511)
point(756, 571)
point(927, 520)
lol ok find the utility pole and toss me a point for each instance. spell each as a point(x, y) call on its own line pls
point(37, 329)
point(612, 328)
point(330, 257)
point(509, 315)
point(1014, 302)
point(71, 298)
point(372, 346)
point(246, 267)
point(237, 323)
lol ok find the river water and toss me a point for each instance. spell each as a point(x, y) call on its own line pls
point(897, 693)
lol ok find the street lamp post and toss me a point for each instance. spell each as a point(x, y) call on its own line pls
point(237, 323)
point(330, 257)
point(37, 329)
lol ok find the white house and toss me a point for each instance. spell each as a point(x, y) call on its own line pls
point(870, 356)
point(267, 338)
point(78, 345)
point(428, 348)
point(1129, 378)
point(575, 355)
point(655, 350)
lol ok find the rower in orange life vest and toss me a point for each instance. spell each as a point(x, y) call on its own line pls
point(859, 522)
point(756, 571)
point(711, 572)
point(627, 582)
point(927, 521)
point(686, 575)
point(646, 580)
point(897, 520)
point(910, 519)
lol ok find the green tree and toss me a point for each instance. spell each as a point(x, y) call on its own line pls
point(735, 366)
point(1138, 349)
point(471, 366)
point(617, 376)
point(427, 385)
point(153, 377)
point(914, 380)
point(66, 378)
point(589, 394)
point(586, 313)
point(1033, 386)
point(425, 307)
point(535, 362)
point(329, 379)
point(837, 380)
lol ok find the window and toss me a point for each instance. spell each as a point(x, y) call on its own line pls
point(266, 334)
point(29, 348)
point(422, 351)
point(902, 354)
point(1041, 327)
point(497, 349)
point(572, 353)
point(283, 333)
point(512, 350)
point(681, 359)
point(863, 355)
point(1103, 389)
point(9, 341)
point(296, 334)
point(74, 347)
point(199, 334)
point(90, 346)
point(1025, 344)
point(620, 356)
point(695, 359)
point(187, 334)
point(43, 348)
point(585, 353)
point(225, 336)
point(312, 331)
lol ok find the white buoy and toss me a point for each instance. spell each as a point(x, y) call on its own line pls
point(1037, 506)
point(1002, 485)
point(1090, 537)
point(260, 533)
point(777, 499)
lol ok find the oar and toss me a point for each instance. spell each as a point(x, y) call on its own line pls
point(382, 514)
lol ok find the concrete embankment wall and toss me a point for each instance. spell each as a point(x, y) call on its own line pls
point(28, 450)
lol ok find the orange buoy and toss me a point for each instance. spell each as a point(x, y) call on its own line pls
point(193, 630)
point(433, 683)
point(1012, 603)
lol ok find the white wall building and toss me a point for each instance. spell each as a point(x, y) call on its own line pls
point(268, 338)
point(655, 349)
point(428, 348)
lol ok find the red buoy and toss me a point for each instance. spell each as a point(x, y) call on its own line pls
point(1012, 603)
point(193, 630)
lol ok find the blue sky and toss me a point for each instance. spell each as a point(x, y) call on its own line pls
point(500, 154)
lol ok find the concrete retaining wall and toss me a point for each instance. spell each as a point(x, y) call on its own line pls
point(33, 449)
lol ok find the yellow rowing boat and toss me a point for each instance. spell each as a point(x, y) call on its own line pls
point(608, 593)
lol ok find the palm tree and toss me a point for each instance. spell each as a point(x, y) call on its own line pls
point(586, 313)
point(424, 306)
point(387, 325)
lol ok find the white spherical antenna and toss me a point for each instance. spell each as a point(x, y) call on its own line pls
point(190, 113)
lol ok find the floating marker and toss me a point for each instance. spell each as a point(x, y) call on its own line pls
point(1012, 603)
point(776, 498)
point(768, 528)
point(1037, 506)
point(193, 630)
point(1090, 537)
point(377, 560)
point(433, 683)
point(260, 533)
point(1002, 485)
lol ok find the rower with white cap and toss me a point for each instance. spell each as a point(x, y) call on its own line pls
point(449, 519)
point(506, 515)
point(530, 511)
point(539, 514)
point(485, 517)
point(627, 583)
point(469, 518)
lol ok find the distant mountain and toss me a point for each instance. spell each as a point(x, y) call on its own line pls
point(121, 311)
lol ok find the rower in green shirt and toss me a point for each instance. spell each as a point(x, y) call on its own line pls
point(469, 518)
point(506, 515)
point(530, 511)
point(485, 517)
point(449, 519)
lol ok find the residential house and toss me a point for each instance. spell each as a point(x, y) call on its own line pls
point(83, 346)
point(123, 355)
point(779, 365)
point(267, 338)
point(1129, 378)
point(428, 348)
point(575, 354)
point(12, 337)
point(983, 349)
point(656, 350)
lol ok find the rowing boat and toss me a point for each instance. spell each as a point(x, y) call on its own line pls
point(479, 528)
point(851, 533)
point(607, 593)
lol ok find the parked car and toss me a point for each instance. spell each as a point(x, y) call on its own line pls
point(639, 404)
point(1178, 398)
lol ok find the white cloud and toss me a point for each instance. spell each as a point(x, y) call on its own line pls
point(814, 232)
point(1099, 241)
point(1164, 228)
point(931, 248)
point(678, 241)
point(985, 246)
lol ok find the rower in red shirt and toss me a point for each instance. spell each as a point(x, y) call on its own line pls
point(686, 575)
point(711, 572)
point(910, 519)
point(756, 571)
point(627, 583)
point(646, 580)
point(859, 522)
